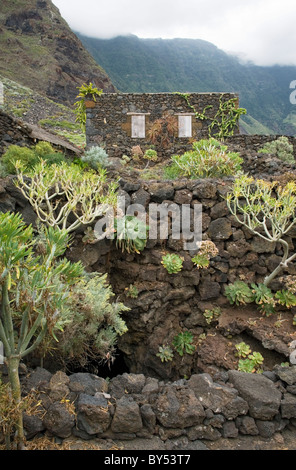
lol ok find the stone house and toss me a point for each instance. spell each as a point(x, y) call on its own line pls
point(120, 121)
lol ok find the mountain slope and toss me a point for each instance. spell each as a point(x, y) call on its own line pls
point(39, 50)
point(169, 65)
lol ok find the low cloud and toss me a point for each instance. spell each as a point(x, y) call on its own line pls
point(261, 31)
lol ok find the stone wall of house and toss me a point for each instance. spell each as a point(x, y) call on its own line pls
point(109, 118)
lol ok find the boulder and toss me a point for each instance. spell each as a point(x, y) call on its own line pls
point(183, 196)
point(286, 374)
point(209, 289)
point(59, 386)
point(127, 417)
point(32, 425)
point(219, 210)
point(238, 248)
point(141, 197)
point(204, 189)
point(288, 406)
point(126, 383)
point(259, 245)
point(93, 414)
point(178, 407)
point(203, 432)
point(265, 428)
point(220, 229)
point(247, 425)
point(87, 383)
point(148, 417)
point(229, 430)
point(259, 392)
point(59, 421)
point(161, 192)
point(37, 380)
point(216, 397)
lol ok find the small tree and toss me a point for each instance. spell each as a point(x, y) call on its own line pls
point(59, 192)
point(267, 210)
point(44, 296)
point(34, 288)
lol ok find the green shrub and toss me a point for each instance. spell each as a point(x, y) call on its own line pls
point(56, 158)
point(3, 170)
point(212, 314)
point(34, 287)
point(281, 148)
point(240, 293)
point(171, 171)
point(43, 148)
point(132, 291)
point(94, 323)
point(14, 153)
point(86, 91)
point(263, 297)
point(95, 157)
point(150, 154)
point(208, 159)
point(286, 298)
point(83, 196)
point(30, 157)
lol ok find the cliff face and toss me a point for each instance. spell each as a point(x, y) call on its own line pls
point(39, 50)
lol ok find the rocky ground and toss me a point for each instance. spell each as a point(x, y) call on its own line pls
point(281, 441)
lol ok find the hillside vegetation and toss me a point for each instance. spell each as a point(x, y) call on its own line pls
point(33, 108)
point(189, 65)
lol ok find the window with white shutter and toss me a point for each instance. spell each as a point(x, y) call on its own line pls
point(185, 125)
point(138, 126)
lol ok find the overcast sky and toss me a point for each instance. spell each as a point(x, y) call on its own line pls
point(262, 31)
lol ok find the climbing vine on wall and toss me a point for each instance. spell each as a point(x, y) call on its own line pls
point(224, 121)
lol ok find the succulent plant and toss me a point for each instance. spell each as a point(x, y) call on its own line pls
point(172, 262)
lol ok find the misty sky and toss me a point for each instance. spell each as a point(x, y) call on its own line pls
point(262, 31)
